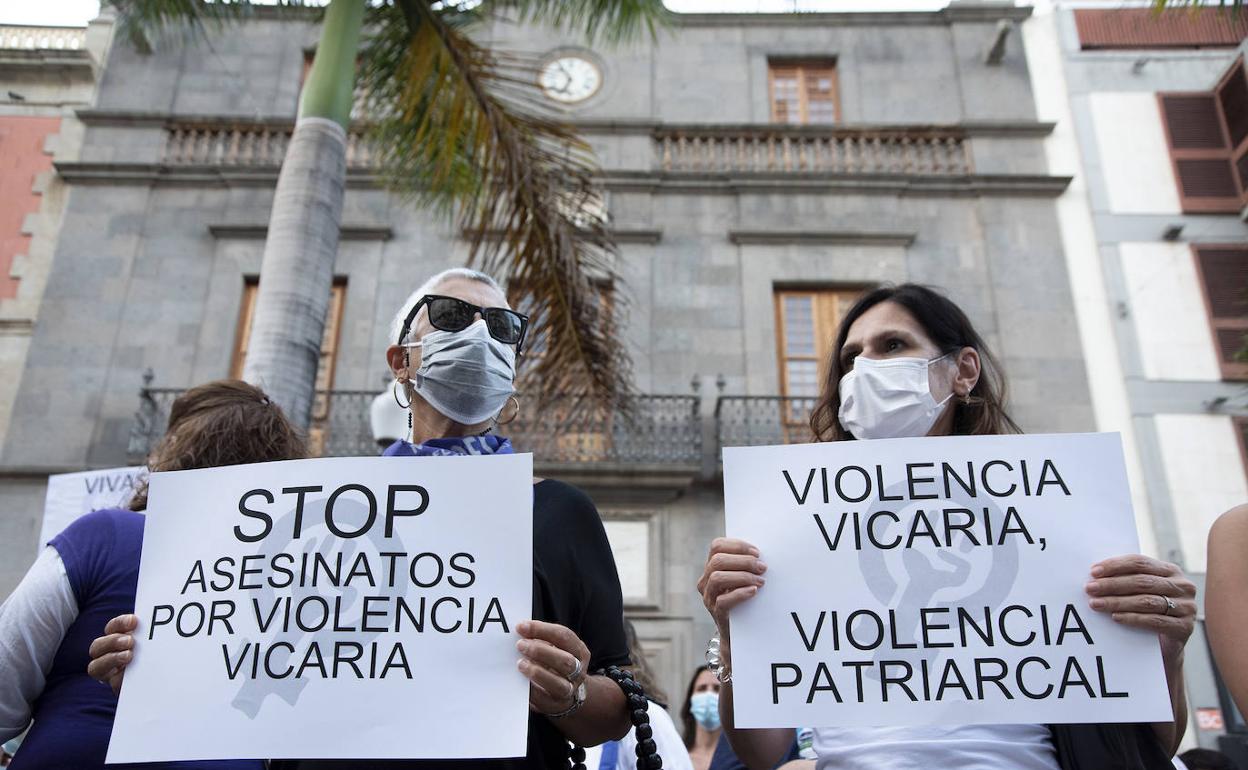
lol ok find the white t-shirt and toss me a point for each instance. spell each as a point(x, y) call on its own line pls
point(666, 738)
point(965, 747)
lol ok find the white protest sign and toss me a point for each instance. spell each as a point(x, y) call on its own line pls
point(333, 608)
point(935, 581)
point(71, 495)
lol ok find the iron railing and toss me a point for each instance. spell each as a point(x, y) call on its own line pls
point(809, 150)
point(762, 420)
point(654, 430)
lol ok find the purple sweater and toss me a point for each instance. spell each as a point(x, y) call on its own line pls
point(73, 716)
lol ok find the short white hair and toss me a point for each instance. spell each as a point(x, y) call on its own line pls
point(428, 287)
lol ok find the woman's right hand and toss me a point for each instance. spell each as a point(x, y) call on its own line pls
point(733, 574)
point(111, 653)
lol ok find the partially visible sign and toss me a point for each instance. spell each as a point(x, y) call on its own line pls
point(1210, 719)
point(71, 495)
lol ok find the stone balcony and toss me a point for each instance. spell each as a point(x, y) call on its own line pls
point(814, 150)
point(964, 159)
point(741, 149)
point(27, 38)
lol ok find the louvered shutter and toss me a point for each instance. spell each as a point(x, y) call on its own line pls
point(1142, 28)
point(1223, 271)
point(1232, 95)
point(1200, 153)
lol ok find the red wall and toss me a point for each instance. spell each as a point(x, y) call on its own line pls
point(21, 159)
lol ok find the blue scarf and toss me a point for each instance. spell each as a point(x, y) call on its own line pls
point(488, 444)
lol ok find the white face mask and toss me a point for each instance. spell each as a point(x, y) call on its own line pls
point(466, 375)
point(889, 398)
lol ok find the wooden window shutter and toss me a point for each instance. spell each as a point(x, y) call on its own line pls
point(1200, 153)
point(1241, 430)
point(1232, 96)
point(1223, 271)
point(804, 92)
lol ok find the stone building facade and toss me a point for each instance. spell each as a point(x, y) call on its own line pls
point(759, 171)
point(46, 73)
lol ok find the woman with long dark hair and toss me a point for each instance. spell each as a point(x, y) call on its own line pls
point(699, 717)
point(907, 362)
point(88, 574)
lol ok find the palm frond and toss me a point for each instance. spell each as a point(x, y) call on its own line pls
point(461, 127)
point(608, 20)
point(143, 22)
point(1234, 6)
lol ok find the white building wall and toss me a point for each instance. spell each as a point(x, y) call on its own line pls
point(1169, 312)
point(1083, 260)
point(1135, 159)
point(1204, 472)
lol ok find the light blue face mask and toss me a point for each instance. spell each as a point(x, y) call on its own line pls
point(466, 375)
point(705, 709)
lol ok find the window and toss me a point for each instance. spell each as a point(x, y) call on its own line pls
point(806, 325)
point(1208, 138)
point(325, 367)
point(804, 92)
point(1223, 272)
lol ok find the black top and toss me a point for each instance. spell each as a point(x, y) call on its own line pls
point(574, 584)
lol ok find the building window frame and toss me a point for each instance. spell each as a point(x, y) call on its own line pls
point(330, 346)
point(804, 68)
point(825, 326)
point(1231, 370)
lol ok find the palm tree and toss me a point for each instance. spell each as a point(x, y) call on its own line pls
point(455, 125)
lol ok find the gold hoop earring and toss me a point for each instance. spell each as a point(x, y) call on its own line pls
point(514, 414)
point(394, 391)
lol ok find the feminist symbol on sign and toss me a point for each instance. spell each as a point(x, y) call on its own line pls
point(923, 583)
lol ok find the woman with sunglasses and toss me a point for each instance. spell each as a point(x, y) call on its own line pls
point(453, 351)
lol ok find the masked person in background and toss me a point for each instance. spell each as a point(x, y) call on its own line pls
point(453, 351)
point(700, 717)
point(89, 573)
point(908, 363)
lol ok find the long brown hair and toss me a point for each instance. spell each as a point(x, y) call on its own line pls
point(982, 413)
point(641, 667)
point(687, 722)
point(225, 422)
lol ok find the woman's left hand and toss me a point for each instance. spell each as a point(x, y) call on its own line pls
point(556, 662)
point(1146, 593)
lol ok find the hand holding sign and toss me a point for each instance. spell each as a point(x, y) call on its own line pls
point(733, 573)
point(555, 660)
point(1143, 592)
point(112, 652)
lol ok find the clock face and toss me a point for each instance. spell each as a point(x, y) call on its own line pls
point(570, 79)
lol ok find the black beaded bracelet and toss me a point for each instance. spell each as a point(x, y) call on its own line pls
point(647, 750)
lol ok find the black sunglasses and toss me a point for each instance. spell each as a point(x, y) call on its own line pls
point(450, 314)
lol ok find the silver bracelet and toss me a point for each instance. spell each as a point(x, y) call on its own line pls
point(715, 661)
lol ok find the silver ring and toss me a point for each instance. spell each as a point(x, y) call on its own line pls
point(1170, 605)
point(576, 672)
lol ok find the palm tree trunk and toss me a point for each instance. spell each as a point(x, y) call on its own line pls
point(297, 271)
